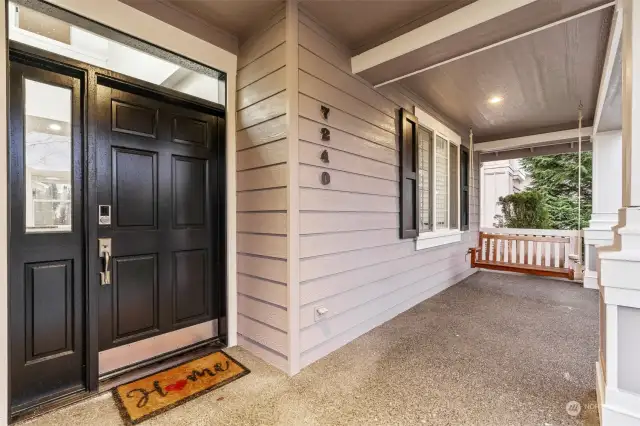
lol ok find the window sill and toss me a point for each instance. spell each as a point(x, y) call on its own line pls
point(440, 238)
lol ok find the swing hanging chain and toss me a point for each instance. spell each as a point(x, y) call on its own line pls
point(579, 261)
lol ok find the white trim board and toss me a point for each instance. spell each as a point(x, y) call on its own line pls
point(498, 43)
point(615, 35)
point(128, 20)
point(532, 141)
point(122, 17)
point(4, 235)
point(434, 239)
point(293, 188)
point(427, 120)
point(455, 22)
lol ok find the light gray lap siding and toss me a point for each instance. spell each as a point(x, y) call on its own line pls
point(262, 173)
point(352, 260)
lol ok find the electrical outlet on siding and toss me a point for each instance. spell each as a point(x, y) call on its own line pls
point(320, 313)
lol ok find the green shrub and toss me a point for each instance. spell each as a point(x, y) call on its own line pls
point(525, 209)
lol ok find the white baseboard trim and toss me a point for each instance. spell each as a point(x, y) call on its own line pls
point(600, 385)
point(616, 408)
point(590, 282)
point(612, 416)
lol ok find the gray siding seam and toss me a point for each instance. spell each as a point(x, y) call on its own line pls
point(246, 315)
point(262, 278)
point(349, 153)
point(265, 121)
point(257, 102)
point(257, 59)
point(266, 302)
point(346, 132)
point(266, 348)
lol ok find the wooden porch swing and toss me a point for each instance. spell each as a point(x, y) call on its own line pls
point(528, 253)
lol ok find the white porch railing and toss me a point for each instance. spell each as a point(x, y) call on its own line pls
point(563, 250)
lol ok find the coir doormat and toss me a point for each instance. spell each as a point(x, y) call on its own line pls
point(159, 392)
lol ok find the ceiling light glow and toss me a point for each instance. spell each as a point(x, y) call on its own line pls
point(495, 99)
point(55, 127)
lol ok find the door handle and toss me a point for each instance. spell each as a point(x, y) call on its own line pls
point(104, 247)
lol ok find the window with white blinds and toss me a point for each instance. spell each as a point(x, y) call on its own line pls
point(438, 180)
point(425, 147)
point(442, 182)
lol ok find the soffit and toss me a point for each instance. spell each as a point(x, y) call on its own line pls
point(363, 24)
point(224, 23)
point(542, 78)
point(238, 17)
point(518, 21)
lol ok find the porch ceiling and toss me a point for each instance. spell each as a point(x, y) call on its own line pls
point(238, 17)
point(363, 24)
point(542, 78)
point(224, 23)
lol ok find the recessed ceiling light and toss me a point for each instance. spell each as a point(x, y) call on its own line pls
point(495, 99)
point(55, 127)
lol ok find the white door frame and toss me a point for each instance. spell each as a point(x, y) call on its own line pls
point(128, 20)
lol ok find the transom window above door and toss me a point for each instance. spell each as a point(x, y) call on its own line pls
point(45, 32)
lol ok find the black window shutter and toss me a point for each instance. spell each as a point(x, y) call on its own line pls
point(409, 206)
point(464, 188)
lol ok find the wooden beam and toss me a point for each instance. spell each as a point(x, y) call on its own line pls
point(455, 22)
point(490, 46)
point(612, 48)
point(542, 139)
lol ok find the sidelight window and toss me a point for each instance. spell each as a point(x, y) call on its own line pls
point(48, 157)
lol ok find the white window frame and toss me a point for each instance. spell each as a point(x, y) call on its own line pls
point(435, 237)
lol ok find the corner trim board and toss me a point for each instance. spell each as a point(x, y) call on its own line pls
point(293, 191)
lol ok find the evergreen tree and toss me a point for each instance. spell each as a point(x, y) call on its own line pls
point(556, 178)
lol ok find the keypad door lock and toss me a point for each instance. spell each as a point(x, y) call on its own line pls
point(104, 214)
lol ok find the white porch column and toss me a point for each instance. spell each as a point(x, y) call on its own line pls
point(606, 200)
point(619, 367)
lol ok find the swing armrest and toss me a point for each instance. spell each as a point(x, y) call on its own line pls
point(473, 251)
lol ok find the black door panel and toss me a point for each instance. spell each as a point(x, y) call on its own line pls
point(158, 161)
point(156, 167)
point(46, 288)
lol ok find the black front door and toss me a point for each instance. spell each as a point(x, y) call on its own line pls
point(47, 281)
point(96, 156)
point(159, 202)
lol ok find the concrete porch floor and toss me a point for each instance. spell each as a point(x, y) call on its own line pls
point(495, 349)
